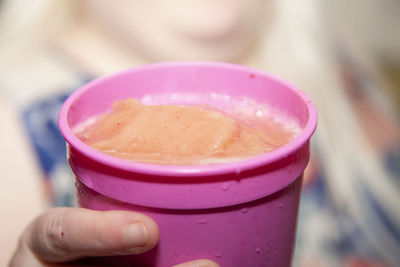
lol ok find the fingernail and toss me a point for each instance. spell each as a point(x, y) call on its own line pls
point(136, 234)
point(198, 263)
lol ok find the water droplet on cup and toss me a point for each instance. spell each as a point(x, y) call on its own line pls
point(258, 250)
point(225, 186)
point(202, 221)
point(290, 168)
point(237, 172)
point(88, 181)
point(280, 205)
point(244, 210)
point(218, 255)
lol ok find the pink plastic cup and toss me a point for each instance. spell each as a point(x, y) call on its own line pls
point(237, 214)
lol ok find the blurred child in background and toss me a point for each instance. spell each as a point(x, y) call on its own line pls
point(348, 212)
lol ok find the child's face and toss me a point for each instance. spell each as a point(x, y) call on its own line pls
point(182, 29)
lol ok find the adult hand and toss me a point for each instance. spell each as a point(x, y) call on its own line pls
point(62, 235)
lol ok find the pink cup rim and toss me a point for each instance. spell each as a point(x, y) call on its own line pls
point(185, 170)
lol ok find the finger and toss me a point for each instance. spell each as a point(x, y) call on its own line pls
point(198, 263)
point(65, 234)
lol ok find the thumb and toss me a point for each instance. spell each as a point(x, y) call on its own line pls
point(65, 234)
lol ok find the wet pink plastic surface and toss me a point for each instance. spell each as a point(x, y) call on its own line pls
point(237, 214)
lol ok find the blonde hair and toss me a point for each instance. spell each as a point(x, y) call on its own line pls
point(26, 25)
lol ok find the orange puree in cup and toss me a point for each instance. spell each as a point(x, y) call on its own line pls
point(177, 134)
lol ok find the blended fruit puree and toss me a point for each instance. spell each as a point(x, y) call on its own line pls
point(178, 134)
